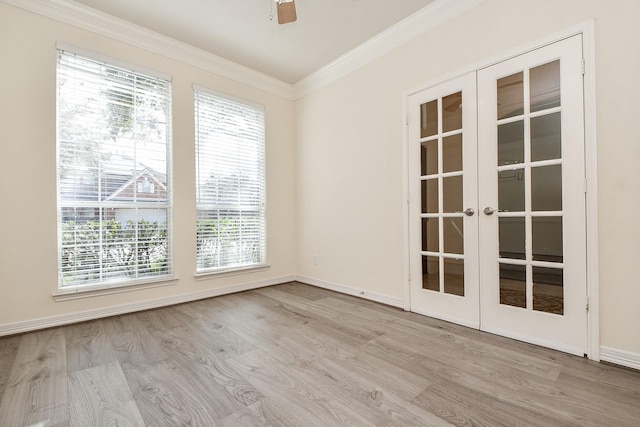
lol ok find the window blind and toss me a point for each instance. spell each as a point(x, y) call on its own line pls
point(230, 183)
point(113, 175)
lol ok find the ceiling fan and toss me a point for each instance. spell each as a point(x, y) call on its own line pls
point(286, 11)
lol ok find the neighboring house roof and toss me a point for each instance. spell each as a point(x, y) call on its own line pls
point(120, 185)
point(143, 185)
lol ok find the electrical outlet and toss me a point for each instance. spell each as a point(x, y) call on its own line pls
point(315, 260)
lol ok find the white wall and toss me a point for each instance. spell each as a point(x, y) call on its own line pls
point(335, 179)
point(349, 150)
point(28, 251)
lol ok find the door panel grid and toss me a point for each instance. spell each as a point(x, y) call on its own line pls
point(529, 170)
point(442, 194)
point(533, 257)
point(445, 169)
point(497, 239)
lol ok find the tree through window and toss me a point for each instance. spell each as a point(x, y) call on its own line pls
point(230, 183)
point(113, 191)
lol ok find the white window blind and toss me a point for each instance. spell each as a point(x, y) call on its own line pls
point(114, 199)
point(230, 183)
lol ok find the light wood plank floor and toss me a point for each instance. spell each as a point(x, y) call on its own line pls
point(296, 355)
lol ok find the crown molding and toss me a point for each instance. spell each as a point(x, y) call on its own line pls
point(422, 21)
point(86, 18)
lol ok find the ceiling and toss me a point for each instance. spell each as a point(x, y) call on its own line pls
point(242, 31)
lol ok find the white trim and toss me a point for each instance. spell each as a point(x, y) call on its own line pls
point(620, 357)
point(99, 289)
point(591, 172)
point(424, 20)
point(65, 319)
point(583, 28)
point(86, 18)
point(111, 61)
point(586, 29)
point(230, 271)
point(406, 200)
point(348, 290)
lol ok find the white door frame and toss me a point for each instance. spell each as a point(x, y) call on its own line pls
point(588, 38)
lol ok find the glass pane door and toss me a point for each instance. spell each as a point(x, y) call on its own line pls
point(529, 173)
point(497, 234)
point(531, 177)
point(442, 195)
point(443, 208)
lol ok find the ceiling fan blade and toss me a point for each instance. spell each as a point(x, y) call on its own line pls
point(287, 12)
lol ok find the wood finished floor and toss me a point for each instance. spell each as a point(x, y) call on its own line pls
point(295, 355)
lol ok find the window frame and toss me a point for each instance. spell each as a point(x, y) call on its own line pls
point(164, 207)
point(261, 263)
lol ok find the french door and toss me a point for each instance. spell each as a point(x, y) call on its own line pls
point(444, 221)
point(497, 207)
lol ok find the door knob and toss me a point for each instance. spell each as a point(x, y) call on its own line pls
point(488, 210)
point(469, 212)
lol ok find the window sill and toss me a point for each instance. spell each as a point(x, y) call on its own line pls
point(100, 290)
point(230, 271)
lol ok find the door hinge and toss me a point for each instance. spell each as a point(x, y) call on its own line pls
point(583, 67)
point(587, 308)
point(585, 185)
point(406, 120)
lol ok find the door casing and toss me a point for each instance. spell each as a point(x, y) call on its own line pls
point(587, 31)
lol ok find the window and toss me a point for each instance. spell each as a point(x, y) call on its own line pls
point(114, 199)
point(230, 183)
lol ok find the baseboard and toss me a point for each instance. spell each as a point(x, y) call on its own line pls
point(620, 357)
point(65, 319)
point(372, 296)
